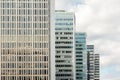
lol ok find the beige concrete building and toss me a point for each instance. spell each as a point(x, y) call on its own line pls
point(26, 51)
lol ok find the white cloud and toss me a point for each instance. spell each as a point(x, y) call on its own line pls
point(101, 20)
point(67, 4)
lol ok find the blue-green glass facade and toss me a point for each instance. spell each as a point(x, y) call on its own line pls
point(64, 44)
point(81, 56)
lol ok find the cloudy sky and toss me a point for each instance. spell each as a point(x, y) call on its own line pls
point(100, 19)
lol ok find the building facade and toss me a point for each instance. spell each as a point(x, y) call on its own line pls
point(90, 62)
point(93, 63)
point(26, 40)
point(97, 67)
point(81, 56)
point(64, 44)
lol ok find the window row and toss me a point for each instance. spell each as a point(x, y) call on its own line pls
point(62, 24)
point(63, 65)
point(24, 18)
point(23, 0)
point(24, 12)
point(18, 58)
point(64, 47)
point(24, 25)
point(23, 52)
point(63, 28)
point(81, 41)
point(65, 70)
point(24, 78)
point(8, 25)
point(63, 51)
point(24, 65)
point(63, 42)
point(60, 61)
point(25, 72)
point(62, 38)
point(35, 45)
point(23, 5)
point(24, 32)
point(64, 33)
point(64, 19)
point(70, 75)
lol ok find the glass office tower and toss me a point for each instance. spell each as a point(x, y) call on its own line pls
point(90, 62)
point(25, 40)
point(97, 67)
point(81, 56)
point(93, 64)
point(64, 43)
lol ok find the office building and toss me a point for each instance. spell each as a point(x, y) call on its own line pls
point(93, 63)
point(27, 40)
point(97, 67)
point(81, 56)
point(90, 62)
point(64, 44)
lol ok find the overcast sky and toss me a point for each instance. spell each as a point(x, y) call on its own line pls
point(100, 19)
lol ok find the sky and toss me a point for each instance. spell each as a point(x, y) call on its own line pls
point(100, 19)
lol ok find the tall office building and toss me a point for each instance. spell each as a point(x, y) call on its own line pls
point(93, 63)
point(97, 67)
point(64, 43)
point(26, 40)
point(90, 62)
point(81, 56)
